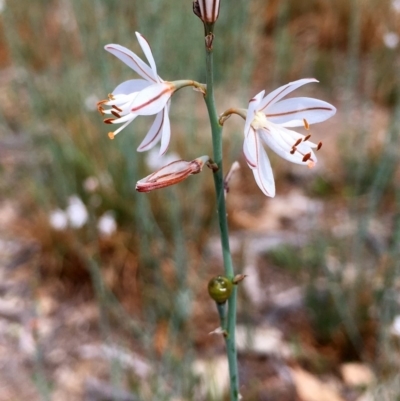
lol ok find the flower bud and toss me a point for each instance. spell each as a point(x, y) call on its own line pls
point(206, 10)
point(238, 278)
point(220, 289)
point(171, 174)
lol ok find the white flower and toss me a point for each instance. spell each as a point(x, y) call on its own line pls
point(267, 120)
point(91, 184)
point(76, 212)
point(396, 5)
point(391, 40)
point(395, 329)
point(107, 224)
point(147, 96)
point(58, 219)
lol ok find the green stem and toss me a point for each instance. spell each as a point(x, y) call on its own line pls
point(216, 129)
point(222, 315)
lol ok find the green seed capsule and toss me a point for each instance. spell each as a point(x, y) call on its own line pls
point(220, 289)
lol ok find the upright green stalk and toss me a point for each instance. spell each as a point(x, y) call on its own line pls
point(216, 129)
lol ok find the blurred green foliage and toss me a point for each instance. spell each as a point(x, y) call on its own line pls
point(60, 70)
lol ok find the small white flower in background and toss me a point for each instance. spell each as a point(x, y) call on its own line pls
point(2, 5)
point(91, 102)
point(267, 120)
point(207, 10)
point(58, 219)
point(76, 212)
point(107, 224)
point(91, 184)
point(391, 40)
point(396, 326)
point(154, 161)
point(396, 5)
point(147, 96)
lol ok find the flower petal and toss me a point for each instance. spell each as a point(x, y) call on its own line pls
point(281, 92)
point(152, 99)
point(253, 105)
point(149, 55)
point(292, 112)
point(153, 136)
point(278, 140)
point(166, 132)
point(291, 137)
point(126, 117)
point(133, 85)
point(263, 174)
point(132, 61)
point(251, 146)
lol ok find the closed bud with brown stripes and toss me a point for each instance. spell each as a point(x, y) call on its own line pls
point(206, 10)
point(171, 174)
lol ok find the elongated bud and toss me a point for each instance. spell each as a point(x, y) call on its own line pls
point(171, 174)
point(220, 289)
point(235, 166)
point(238, 278)
point(206, 10)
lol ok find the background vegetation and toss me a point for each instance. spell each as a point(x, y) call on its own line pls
point(148, 277)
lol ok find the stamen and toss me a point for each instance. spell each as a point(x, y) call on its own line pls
point(297, 142)
point(306, 157)
point(310, 164)
point(114, 113)
point(306, 124)
point(319, 146)
point(109, 120)
point(111, 96)
point(100, 110)
point(117, 108)
point(101, 102)
point(111, 135)
point(307, 138)
point(293, 150)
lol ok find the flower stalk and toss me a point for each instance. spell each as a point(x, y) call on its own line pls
point(216, 130)
point(268, 121)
